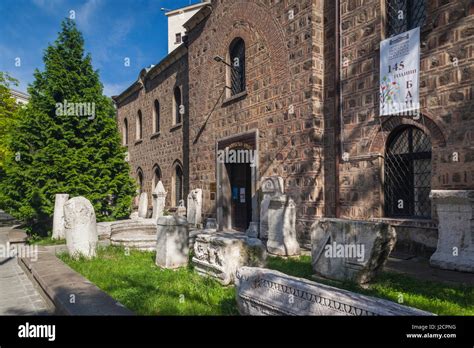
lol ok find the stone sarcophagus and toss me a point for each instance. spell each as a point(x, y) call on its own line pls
point(262, 291)
point(350, 249)
point(220, 255)
point(455, 249)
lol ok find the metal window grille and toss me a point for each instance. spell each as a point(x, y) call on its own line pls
point(408, 174)
point(404, 15)
point(237, 56)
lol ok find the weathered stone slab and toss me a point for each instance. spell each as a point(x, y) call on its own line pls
point(271, 186)
point(252, 231)
point(58, 217)
point(80, 227)
point(194, 213)
point(262, 291)
point(220, 255)
point(104, 229)
point(455, 249)
point(143, 206)
point(172, 248)
point(181, 209)
point(350, 249)
point(159, 199)
point(282, 227)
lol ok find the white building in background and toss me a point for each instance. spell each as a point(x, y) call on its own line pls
point(176, 19)
point(20, 97)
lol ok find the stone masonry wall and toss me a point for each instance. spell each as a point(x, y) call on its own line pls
point(167, 147)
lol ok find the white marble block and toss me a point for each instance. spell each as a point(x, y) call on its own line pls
point(271, 186)
point(172, 247)
point(143, 205)
point(194, 207)
point(455, 249)
point(81, 228)
point(353, 250)
point(282, 227)
point(58, 218)
point(261, 291)
point(159, 199)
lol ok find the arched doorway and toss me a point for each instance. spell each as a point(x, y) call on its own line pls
point(407, 174)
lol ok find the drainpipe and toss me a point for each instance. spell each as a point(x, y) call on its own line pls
point(337, 107)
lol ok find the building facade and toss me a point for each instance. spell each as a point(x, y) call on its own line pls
point(297, 84)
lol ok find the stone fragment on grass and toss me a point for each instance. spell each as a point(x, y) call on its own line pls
point(172, 248)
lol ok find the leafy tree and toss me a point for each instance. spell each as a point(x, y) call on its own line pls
point(64, 147)
point(8, 107)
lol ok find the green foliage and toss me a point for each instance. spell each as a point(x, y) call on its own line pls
point(8, 107)
point(78, 155)
point(134, 280)
point(438, 298)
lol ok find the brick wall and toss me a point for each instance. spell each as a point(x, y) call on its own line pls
point(167, 147)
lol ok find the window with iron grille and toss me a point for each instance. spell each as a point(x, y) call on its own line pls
point(237, 61)
point(404, 15)
point(408, 174)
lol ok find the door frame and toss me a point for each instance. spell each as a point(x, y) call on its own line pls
point(224, 216)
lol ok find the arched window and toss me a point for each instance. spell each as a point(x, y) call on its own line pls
point(177, 184)
point(156, 116)
point(156, 175)
point(139, 125)
point(140, 180)
point(404, 15)
point(177, 105)
point(236, 72)
point(125, 132)
point(408, 174)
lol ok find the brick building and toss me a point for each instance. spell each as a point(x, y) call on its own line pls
point(298, 83)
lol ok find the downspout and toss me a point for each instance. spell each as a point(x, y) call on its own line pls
point(338, 108)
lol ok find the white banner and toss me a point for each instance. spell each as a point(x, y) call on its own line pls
point(399, 74)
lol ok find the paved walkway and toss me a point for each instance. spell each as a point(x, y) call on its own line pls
point(18, 296)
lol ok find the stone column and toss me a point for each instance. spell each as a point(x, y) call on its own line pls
point(194, 207)
point(455, 249)
point(81, 228)
point(159, 199)
point(143, 205)
point(58, 218)
point(172, 247)
point(282, 227)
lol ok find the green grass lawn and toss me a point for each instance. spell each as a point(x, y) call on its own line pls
point(137, 283)
point(441, 299)
point(46, 241)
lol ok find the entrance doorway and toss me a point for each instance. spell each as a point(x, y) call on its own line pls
point(240, 177)
point(236, 169)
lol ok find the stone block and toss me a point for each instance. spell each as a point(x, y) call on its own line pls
point(159, 199)
point(350, 249)
point(172, 248)
point(282, 227)
point(194, 214)
point(455, 250)
point(271, 186)
point(143, 205)
point(262, 291)
point(80, 228)
point(58, 217)
point(220, 255)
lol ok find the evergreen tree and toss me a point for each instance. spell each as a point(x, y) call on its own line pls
point(62, 148)
point(8, 107)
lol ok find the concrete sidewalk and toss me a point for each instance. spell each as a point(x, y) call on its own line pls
point(18, 296)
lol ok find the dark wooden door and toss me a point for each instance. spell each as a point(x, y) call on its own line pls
point(240, 180)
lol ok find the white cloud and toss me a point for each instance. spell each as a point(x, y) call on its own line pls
point(85, 14)
point(112, 89)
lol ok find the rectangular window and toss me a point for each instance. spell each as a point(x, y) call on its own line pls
point(179, 38)
point(404, 15)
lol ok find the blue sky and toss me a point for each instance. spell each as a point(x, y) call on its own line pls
point(112, 29)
